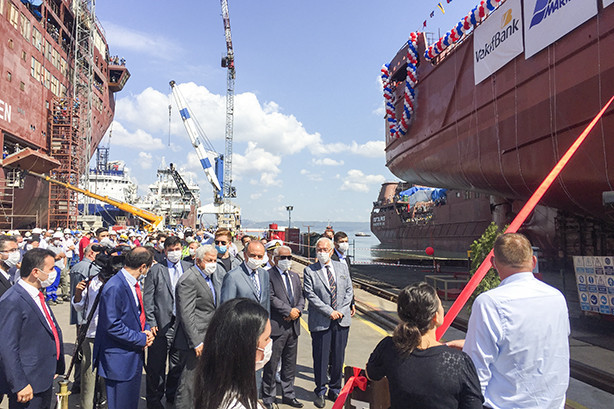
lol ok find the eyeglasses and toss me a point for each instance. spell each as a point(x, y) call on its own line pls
point(10, 251)
point(220, 242)
point(284, 257)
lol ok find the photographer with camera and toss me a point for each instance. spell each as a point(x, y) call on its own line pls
point(122, 333)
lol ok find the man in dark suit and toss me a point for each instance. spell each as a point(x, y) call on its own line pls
point(31, 349)
point(328, 288)
point(9, 257)
point(249, 280)
point(159, 299)
point(197, 296)
point(287, 303)
point(342, 245)
point(122, 332)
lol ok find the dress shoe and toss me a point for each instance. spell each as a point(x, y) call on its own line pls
point(292, 402)
point(319, 402)
point(332, 395)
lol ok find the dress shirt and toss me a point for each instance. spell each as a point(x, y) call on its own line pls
point(340, 255)
point(174, 271)
point(33, 292)
point(287, 281)
point(518, 340)
point(255, 277)
point(89, 295)
point(6, 275)
point(209, 282)
point(131, 282)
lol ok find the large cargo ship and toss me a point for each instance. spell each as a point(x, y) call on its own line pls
point(56, 103)
point(498, 128)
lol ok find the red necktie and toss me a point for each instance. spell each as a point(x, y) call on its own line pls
point(56, 337)
point(140, 297)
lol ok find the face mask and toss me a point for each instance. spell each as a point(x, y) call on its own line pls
point(20, 245)
point(323, 257)
point(253, 264)
point(265, 260)
point(221, 249)
point(29, 247)
point(56, 243)
point(13, 259)
point(192, 252)
point(52, 276)
point(268, 351)
point(174, 256)
point(343, 247)
point(210, 268)
point(284, 265)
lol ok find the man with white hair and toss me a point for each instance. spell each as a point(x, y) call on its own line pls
point(197, 297)
point(328, 288)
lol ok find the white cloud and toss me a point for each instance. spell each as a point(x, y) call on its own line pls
point(145, 160)
point(357, 181)
point(256, 164)
point(255, 196)
point(138, 139)
point(314, 177)
point(327, 162)
point(146, 43)
point(380, 110)
point(371, 149)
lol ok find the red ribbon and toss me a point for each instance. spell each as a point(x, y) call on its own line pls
point(354, 381)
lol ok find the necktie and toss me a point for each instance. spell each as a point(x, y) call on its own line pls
point(56, 337)
point(208, 280)
point(139, 295)
point(333, 287)
point(256, 283)
point(289, 288)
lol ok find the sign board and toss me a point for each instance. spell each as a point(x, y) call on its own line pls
point(607, 3)
point(595, 281)
point(546, 21)
point(498, 40)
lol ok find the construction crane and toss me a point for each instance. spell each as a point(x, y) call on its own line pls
point(186, 193)
point(228, 62)
point(152, 220)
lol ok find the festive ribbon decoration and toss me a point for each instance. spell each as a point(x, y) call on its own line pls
point(355, 381)
point(401, 127)
point(516, 223)
point(475, 17)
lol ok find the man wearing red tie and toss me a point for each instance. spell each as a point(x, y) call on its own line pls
point(122, 333)
point(31, 350)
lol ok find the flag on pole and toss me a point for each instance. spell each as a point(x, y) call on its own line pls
point(449, 1)
point(432, 14)
point(441, 8)
point(424, 24)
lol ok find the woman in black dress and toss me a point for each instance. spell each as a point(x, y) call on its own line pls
point(423, 373)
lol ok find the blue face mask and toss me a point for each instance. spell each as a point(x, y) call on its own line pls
point(220, 249)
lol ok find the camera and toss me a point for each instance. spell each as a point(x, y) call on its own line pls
point(109, 259)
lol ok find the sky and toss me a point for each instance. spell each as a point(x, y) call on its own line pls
point(309, 118)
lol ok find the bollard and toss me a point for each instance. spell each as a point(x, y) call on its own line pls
point(63, 395)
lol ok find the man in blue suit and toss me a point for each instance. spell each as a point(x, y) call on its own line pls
point(328, 288)
point(31, 350)
point(122, 332)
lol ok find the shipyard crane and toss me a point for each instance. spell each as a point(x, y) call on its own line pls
point(186, 193)
point(228, 62)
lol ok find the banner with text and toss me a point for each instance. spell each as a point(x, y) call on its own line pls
point(595, 281)
point(498, 40)
point(548, 20)
point(607, 3)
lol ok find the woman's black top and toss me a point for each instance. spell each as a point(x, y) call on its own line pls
point(433, 378)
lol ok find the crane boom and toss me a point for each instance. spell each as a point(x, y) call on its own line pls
point(205, 157)
point(154, 221)
point(228, 62)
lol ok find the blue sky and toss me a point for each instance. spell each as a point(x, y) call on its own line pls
point(309, 125)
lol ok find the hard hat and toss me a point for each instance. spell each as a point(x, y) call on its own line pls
point(67, 231)
point(37, 230)
point(57, 235)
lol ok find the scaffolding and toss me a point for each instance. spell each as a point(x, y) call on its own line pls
point(67, 147)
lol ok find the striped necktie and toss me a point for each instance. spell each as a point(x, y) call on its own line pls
point(333, 287)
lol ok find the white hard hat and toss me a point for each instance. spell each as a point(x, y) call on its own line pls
point(57, 235)
point(37, 230)
point(67, 231)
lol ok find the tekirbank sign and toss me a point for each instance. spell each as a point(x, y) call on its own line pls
point(498, 40)
point(548, 20)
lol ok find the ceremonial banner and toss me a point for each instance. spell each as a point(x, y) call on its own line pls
point(607, 3)
point(498, 40)
point(548, 20)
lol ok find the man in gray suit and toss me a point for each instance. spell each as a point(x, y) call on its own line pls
point(287, 303)
point(249, 280)
point(328, 288)
point(159, 303)
point(197, 297)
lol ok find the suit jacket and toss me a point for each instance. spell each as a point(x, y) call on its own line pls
point(27, 347)
point(119, 342)
point(237, 283)
point(159, 297)
point(4, 284)
point(195, 306)
point(318, 293)
point(281, 305)
point(335, 257)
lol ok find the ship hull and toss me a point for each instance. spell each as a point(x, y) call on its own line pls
point(504, 135)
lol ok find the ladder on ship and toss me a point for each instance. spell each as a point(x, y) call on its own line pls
point(67, 148)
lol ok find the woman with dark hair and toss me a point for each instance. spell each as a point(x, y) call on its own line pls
point(237, 344)
point(422, 373)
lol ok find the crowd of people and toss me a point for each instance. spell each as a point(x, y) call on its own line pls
point(214, 327)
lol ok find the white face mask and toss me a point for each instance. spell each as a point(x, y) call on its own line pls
point(323, 257)
point(29, 247)
point(13, 259)
point(192, 252)
point(210, 268)
point(268, 351)
point(174, 256)
point(52, 276)
point(253, 264)
point(344, 247)
point(284, 265)
point(265, 260)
